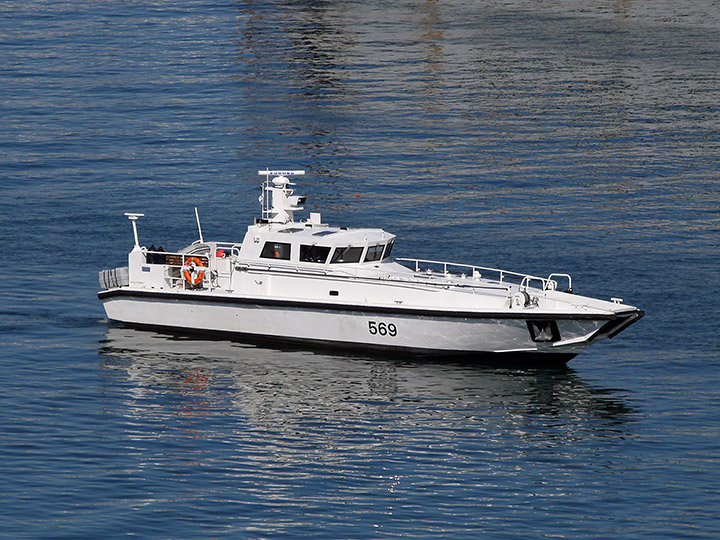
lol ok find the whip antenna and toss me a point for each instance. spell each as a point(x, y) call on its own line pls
point(197, 218)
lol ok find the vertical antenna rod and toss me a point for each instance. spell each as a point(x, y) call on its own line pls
point(197, 218)
point(134, 218)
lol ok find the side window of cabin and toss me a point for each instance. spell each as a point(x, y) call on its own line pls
point(388, 249)
point(315, 254)
point(374, 253)
point(276, 250)
point(347, 255)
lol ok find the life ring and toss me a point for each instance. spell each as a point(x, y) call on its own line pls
point(192, 271)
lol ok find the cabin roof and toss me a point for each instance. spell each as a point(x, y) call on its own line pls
point(321, 235)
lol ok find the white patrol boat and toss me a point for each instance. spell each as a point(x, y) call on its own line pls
point(309, 283)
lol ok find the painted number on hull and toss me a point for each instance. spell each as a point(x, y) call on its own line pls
point(381, 328)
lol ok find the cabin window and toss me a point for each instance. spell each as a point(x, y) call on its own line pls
point(276, 250)
point(314, 254)
point(374, 253)
point(388, 249)
point(347, 255)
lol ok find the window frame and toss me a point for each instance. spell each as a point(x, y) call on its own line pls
point(265, 252)
point(388, 249)
point(345, 249)
point(377, 251)
point(304, 248)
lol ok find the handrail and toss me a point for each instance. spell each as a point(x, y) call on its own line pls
point(163, 256)
point(274, 265)
point(553, 284)
point(169, 260)
point(342, 273)
point(473, 272)
point(476, 272)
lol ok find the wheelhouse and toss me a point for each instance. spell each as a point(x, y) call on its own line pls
point(308, 245)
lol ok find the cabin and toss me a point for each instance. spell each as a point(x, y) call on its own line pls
point(316, 245)
point(275, 241)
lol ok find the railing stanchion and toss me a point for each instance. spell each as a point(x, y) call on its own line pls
point(524, 280)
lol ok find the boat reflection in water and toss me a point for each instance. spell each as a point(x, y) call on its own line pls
point(283, 395)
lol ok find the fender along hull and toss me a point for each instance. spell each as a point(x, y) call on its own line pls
point(525, 337)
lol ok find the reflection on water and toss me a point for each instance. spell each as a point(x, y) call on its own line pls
point(434, 448)
point(298, 393)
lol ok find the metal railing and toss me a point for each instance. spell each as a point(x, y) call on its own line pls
point(468, 271)
point(431, 270)
point(175, 264)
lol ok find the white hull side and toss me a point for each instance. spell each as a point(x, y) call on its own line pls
point(412, 332)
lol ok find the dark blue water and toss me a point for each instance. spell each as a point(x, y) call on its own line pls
point(567, 137)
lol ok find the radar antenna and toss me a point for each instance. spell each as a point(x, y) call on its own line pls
point(277, 199)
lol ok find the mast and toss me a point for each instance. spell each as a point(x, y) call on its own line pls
point(277, 199)
point(133, 218)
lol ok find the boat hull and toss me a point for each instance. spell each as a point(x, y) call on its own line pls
point(521, 335)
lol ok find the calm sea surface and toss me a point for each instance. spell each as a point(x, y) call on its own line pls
point(579, 137)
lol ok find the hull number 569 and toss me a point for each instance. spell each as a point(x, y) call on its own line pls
point(381, 328)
